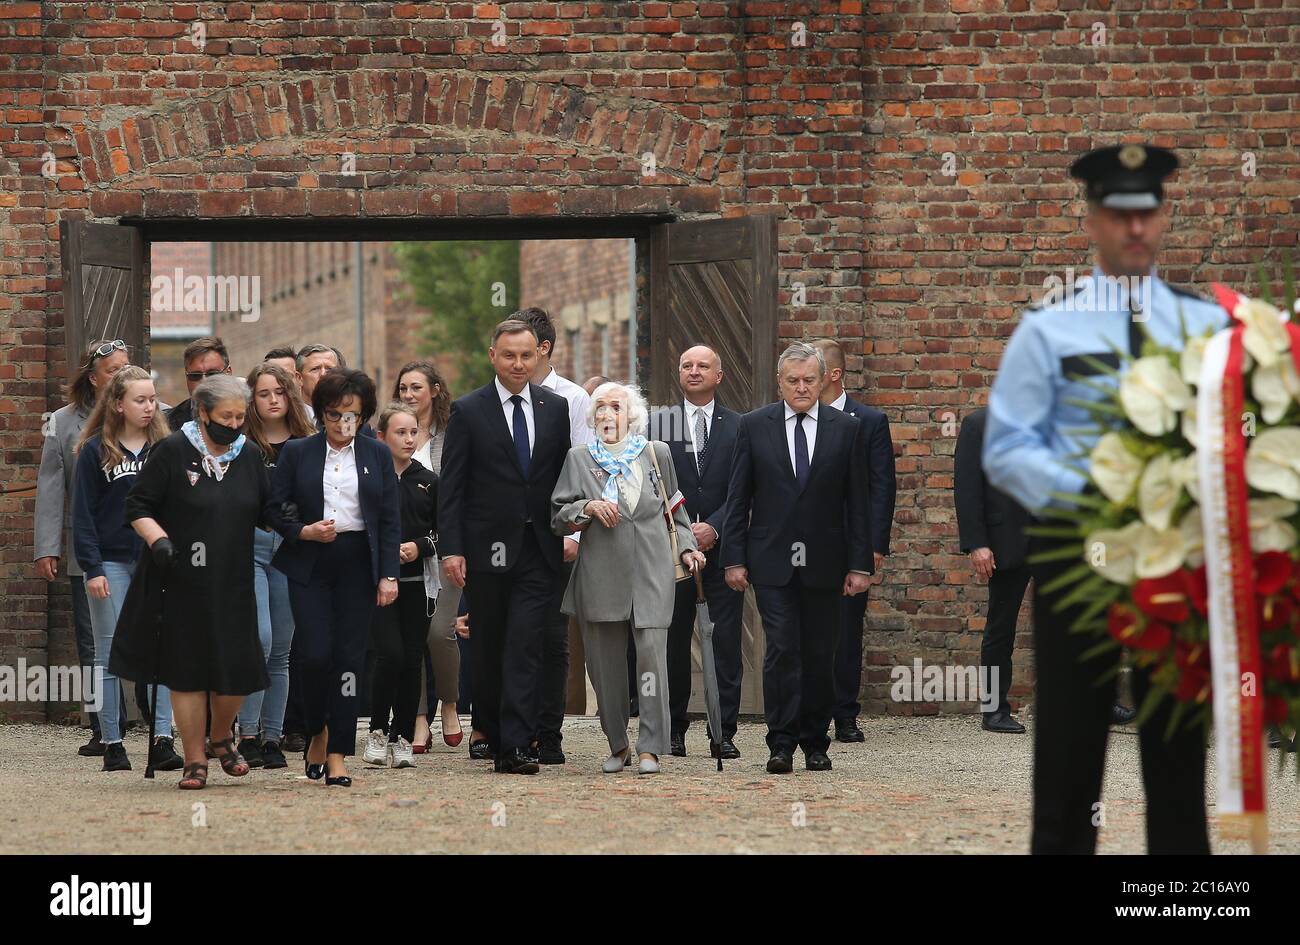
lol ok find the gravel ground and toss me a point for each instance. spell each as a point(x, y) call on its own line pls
point(917, 785)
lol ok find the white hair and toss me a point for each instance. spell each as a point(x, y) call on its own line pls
point(638, 414)
point(802, 351)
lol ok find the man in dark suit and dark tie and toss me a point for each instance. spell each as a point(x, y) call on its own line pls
point(702, 436)
point(991, 526)
point(882, 487)
point(504, 447)
point(797, 525)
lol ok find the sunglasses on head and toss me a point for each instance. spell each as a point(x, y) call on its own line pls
point(108, 347)
point(196, 376)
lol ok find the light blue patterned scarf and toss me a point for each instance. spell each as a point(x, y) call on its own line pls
point(617, 466)
point(214, 466)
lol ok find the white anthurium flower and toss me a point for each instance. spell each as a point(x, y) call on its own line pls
point(1273, 462)
point(1266, 337)
point(1268, 530)
point(1152, 394)
point(1114, 468)
point(1186, 472)
point(1159, 552)
point(1158, 491)
point(1275, 386)
point(1193, 537)
point(1189, 424)
point(1112, 552)
point(1191, 358)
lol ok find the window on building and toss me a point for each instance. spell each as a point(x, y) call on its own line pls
point(575, 346)
point(602, 340)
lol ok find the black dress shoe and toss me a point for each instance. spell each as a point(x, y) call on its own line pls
point(1275, 740)
point(481, 751)
point(816, 761)
point(1001, 722)
point(729, 749)
point(314, 771)
point(1122, 714)
point(516, 761)
point(848, 732)
point(549, 753)
point(93, 748)
point(677, 745)
point(341, 781)
point(781, 762)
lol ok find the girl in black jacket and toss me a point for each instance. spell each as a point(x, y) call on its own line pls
point(399, 632)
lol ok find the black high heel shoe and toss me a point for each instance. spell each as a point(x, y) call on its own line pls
point(314, 771)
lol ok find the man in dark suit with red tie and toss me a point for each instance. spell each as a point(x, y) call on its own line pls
point(882, 486)
point(501, 457)
point(701, 433)
point(797, 526)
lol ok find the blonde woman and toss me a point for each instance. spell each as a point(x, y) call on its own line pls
point(617, 490)
point(115, 443)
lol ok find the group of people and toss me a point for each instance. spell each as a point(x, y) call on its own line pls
point(247, 550)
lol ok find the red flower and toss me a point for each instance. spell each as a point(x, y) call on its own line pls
point(1193, 685)
point(1192, 655)
point(1283, 663)
point(1275, 710)
point(1197, 588)
point(1273, 570)
point(1125, 625)
point(1163, 598)
point(1275, 612)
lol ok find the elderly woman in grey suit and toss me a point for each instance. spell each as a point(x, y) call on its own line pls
point(617, 490)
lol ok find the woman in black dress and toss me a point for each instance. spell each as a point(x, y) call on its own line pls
point(196, 503)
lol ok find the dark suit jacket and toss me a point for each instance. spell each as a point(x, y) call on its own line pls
point(986, 517)
point(298, 499)
point(483, 498)
point(706, 492)
point(881, 476)
point(767, 513)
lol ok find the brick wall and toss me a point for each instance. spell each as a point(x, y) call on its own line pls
point(843, 139)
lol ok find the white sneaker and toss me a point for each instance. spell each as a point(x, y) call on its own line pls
point(377, 750)
point(403, 756)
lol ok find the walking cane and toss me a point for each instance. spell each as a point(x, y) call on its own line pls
point(153, 699)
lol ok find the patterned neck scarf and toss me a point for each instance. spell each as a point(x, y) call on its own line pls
point(214, 466)
point(619, 466)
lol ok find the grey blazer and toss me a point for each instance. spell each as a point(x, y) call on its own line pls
point(54, 487)
point(624, 572)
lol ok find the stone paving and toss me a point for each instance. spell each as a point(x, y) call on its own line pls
point(917, 785)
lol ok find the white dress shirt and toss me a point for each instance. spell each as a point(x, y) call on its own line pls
point(691, 410)
point(839, 402)
point(508, 409)
point(580, 433)
point(809, 431)
point(341, 489)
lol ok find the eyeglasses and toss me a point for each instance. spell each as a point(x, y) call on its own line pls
point(195, 376)
point(108, 347)
point(333, 416)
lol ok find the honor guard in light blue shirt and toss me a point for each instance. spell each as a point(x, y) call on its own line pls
point(1032, 430)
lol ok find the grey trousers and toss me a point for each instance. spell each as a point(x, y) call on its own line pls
point(443, 651)
point(606, 650)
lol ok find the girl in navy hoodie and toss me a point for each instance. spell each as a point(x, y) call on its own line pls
point(114, 445)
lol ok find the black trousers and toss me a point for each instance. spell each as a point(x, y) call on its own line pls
point(848, 658)
point(725, 609)
point(1006, 593)
point(332, 614)
point(552, 686)
point(398, 634)
point(1072, 723)
point(800, 624)
point(507, 612)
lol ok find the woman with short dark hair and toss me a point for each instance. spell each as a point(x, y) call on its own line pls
point(334, 499)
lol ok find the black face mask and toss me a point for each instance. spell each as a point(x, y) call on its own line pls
point(221, 434)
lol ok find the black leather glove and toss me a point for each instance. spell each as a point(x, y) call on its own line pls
point(164, 554)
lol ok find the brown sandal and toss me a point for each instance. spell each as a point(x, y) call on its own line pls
point(194, 778)
point(232, 762)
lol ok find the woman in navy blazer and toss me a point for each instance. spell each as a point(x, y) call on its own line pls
point(334, 497)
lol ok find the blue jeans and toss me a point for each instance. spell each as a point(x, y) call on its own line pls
point(103, 621)
point(264, 710)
